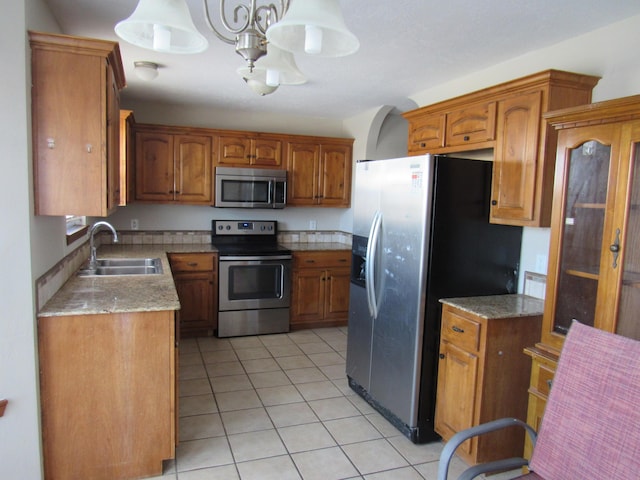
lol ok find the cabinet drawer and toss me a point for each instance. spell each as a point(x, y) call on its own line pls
point(192, 262)
point(461, 331)
point(322, 259)
point(544, 381)
point(427, 133)
point(476, 123)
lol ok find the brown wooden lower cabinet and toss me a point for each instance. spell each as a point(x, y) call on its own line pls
point(196, 279)
point(320, 289)
point(108, 394)
point(482, 376)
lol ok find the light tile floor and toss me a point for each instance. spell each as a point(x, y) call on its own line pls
point(279, 407)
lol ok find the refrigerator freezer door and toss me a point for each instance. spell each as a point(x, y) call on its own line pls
point(400, 274)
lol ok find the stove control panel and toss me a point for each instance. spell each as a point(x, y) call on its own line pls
point(251, 227)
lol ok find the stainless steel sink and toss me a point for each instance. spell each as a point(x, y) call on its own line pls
point(124, 266)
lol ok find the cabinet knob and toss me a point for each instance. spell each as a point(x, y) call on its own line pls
point(441, 356)
point(615, 248)
point(494, 202)
point(466, 138)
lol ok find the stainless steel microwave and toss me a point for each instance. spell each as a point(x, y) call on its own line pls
point(250, 187)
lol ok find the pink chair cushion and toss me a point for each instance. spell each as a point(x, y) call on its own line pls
point(591, 425)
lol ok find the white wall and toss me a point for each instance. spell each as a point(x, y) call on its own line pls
point(19, 428)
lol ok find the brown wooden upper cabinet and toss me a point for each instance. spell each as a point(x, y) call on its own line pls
point(76, 124)
point(508, 119)
point(243, 150)
point(173, 167)
point(319, 172)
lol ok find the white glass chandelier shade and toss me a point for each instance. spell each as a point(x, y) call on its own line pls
point(162, 25)
point(314, 27)
point(276, 68)
point(259, 86)
point(146, 71)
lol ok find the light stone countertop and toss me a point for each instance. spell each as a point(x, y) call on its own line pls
point(498, 306)
point(120, 294)
point(137, 293)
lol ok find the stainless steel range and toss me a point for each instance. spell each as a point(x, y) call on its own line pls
point(254, 277)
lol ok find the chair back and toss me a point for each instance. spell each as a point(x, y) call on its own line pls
point(591, 424)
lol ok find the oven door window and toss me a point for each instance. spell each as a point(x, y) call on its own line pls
point(245, 191)
point(249, 282)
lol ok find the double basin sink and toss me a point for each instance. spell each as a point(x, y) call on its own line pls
point(124, 266)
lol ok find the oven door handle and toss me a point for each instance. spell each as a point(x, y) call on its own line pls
point(228, 258)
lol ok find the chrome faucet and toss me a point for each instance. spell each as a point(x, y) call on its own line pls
point(96, 226)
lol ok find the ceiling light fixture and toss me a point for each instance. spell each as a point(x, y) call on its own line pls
point(164, 26)
point(276, 68)
point(146, 71)
point(248, 24)
point(314, 27)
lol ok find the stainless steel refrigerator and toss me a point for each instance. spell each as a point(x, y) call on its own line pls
point(421, 232)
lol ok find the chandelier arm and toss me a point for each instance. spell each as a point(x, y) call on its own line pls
point(212, 27)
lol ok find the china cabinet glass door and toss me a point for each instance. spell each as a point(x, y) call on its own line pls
point(628, 322)
point(587, 185)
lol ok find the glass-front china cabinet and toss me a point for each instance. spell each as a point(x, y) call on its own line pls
point(594, 256)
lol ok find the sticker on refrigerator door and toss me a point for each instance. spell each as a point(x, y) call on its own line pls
point(416, 180)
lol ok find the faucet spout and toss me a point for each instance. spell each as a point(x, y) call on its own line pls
point(94, 228)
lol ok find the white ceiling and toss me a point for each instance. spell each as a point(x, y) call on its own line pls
point(406, 46)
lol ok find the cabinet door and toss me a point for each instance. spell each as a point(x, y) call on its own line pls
point(335, 175)
point(113, 141)
point(586, 172)
point(193, 164)
point(337, 283)
point(196, 306)
point(425, 133)
point(623, 272)
point(457, 376)
point(154, 166)
point(303, 161)
point(266, 152)
point(234, 151)
point(308, 298)
point(473, 124)
point(516, 160)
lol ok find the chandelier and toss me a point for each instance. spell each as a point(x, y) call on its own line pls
point(257, 29)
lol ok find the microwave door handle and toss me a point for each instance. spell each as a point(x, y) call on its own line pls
point(272, 192)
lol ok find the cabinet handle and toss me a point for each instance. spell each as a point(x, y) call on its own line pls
point(457, 329)
point(549, 383)
point(193, 264)
point(310, 261)
point(615, 248)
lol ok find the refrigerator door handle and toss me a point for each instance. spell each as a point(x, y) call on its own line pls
point(372, 247)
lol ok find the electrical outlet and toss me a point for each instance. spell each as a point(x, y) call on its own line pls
point(541, 264)
point(312, 225)
point(134, 224)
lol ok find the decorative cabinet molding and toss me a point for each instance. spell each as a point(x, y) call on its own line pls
point(507, 118)
point(76, 124)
